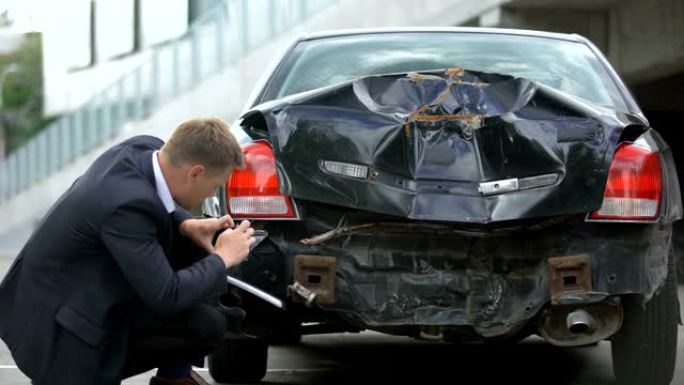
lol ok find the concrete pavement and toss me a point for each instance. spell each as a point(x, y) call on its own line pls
point(375, 358)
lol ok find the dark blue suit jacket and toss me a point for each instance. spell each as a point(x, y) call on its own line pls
point(102, 250)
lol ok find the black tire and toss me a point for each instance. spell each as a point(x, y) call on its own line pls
point(645, 348)
point(239, 361)
point(286, 333)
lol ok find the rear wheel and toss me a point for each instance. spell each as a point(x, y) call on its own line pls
point(286, 332)
point(645, 348)
point(239, 361)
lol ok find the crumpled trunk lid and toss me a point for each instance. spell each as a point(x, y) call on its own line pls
point(451, 145)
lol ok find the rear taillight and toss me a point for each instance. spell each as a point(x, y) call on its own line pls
point(254, 192)
point(634, 189)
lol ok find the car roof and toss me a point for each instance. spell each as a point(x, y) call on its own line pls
point(493, 31)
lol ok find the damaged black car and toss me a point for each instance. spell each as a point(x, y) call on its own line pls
point(458, 185)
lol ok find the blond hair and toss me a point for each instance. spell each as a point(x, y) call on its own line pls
point(205, 141)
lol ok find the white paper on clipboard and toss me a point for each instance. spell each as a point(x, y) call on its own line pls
point(256, 291)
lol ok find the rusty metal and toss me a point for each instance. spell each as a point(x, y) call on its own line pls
point(317, 273)
point(416, 76)
point(569, 275)
point(453, 72)
point(473, 121)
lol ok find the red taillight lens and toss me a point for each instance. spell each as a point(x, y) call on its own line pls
point(634, 188)
point(253, 192)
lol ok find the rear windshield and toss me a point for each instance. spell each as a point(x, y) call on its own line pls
point(564, 65)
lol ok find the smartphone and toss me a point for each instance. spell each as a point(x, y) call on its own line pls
point(259, 235)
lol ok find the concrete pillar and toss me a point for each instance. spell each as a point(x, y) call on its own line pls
point(590, 23)
point(644, 40)
point(647, 39)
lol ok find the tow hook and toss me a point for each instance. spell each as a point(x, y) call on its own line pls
point(298, 289)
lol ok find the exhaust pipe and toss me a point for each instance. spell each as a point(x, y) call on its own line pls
point(580, 325)
point(580, 322)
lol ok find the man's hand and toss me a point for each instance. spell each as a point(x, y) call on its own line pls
point(233, 244)
point(202, 231)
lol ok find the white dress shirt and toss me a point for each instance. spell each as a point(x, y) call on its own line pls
point(162, 188)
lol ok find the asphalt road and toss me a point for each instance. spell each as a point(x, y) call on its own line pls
point(375, 358)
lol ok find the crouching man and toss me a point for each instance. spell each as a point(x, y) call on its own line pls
point(99, 292)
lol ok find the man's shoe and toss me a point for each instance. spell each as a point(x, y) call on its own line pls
point(194, 379)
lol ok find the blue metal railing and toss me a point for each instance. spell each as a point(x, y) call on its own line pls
point(215, 41)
